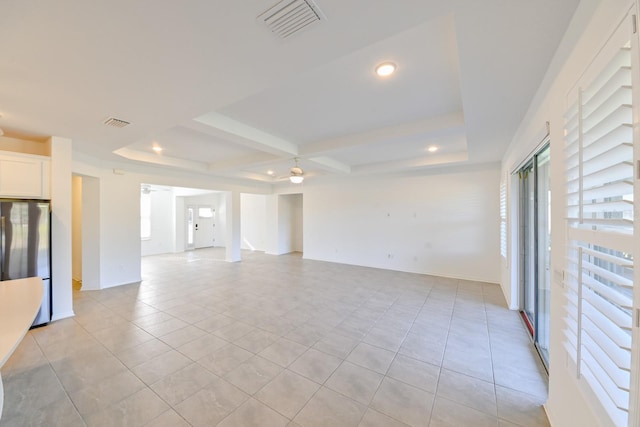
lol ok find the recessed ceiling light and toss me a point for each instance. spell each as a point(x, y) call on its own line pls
point(270, 172)
point(385, 69)
point(432, 149)
point(156, 148)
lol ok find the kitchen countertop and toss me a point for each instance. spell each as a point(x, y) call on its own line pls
point(20, 301)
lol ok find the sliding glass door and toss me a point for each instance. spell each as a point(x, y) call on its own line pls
point(535, 248)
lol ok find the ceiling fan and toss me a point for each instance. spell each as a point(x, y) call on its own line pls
point(148, 189)
point(296, 174)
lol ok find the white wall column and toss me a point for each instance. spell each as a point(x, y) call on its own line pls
point(76, 229)
point(90, 233)
point(271, 207)
point(233, 234)
point(61, 255)
point(180, 225)
point(254, 221)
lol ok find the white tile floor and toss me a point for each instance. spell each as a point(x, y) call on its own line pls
point(278, 341)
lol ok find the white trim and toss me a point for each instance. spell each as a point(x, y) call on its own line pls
point(634, 384)
point(618, 241)
point(64, 315)
point(542, 136)
point(513, 243)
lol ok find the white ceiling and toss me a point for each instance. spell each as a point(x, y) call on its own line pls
point(222, 95)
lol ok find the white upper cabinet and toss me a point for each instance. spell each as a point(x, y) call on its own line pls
point(24, 176)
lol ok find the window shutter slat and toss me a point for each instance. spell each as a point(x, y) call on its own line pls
point(623, 262)
point(620, 60)
point(603, 273)
point(613, 313)
point(616, 89)
point(618, 416)
point(615, 189)
point(595, 130)
point(619, 377)
point(602, 207)
point(610, 294)
point(604, 159)
point(620, 357)
point(617, 335)
point(614, 165)
point(597, 110)
point(617, 395)
point(620, 135)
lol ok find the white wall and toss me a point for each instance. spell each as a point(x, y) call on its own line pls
point(162, 224)
point(253, 221)
point(180, 225)
point(220, 231)
point(119, 229)
point(284, 233)
point(445, 223)
point(271, 238)
point(297, 223)
point(290, 229)
point(76, 228)
point(285, 224)
point(90, 233)
point(593, 22)
point(233, 225)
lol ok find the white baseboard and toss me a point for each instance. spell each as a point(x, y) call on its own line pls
point(64, 315)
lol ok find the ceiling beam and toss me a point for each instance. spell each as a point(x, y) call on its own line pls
point(330, 165)
point(428, 127)
point(397, 165)
point(249, 175)
point(232, 130)
point(244, 161)
point(142, 156)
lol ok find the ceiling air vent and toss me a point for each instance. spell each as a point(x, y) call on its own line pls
point(116, 123)
point(288, 17)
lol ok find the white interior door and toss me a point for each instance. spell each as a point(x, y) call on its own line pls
point(204, 223)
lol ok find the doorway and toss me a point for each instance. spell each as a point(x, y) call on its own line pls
point(200, 220)
point(85, 232)
point(535, 248)
point(290, 223)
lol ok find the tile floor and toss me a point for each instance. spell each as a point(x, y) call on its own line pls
point(278, 341)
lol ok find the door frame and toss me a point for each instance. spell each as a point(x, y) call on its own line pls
point(531, 324)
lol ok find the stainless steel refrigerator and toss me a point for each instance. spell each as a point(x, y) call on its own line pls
point(25, 242)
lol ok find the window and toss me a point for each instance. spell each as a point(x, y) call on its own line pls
point(145, 216)
point(205, 212)
point(503, 218)
point(600, 208)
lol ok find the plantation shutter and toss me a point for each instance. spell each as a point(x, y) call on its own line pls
point(503, 218)
point(600, 225)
